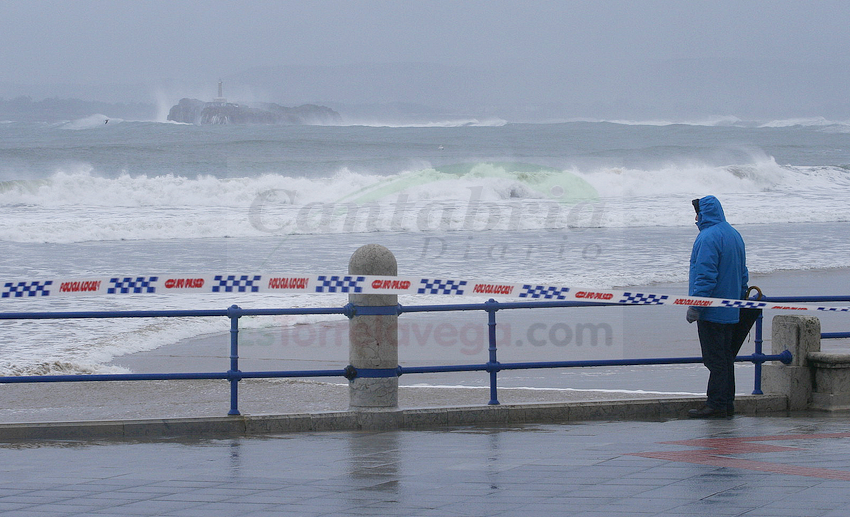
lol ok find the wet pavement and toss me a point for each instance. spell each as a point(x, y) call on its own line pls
point(796, 465)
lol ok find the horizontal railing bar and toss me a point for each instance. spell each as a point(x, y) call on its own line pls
point(168, 313)
point(293, 373)
point(581, 364)
point(170, 376)
point(629, 362)
point(442, 369)
point(294, 311)
point(834, 335)
point(341, 373)
point(498, 306)
point(805, 299)
point(110, 314)
point(345, 310)
point(279, 312)
point(597, 363)
point(115, 377)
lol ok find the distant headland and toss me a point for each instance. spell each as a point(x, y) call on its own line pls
point(219, 111)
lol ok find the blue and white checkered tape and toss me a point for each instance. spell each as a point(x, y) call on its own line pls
point(359, 284)
point(21, 289)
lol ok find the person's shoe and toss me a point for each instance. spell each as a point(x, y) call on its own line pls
point(707, 412)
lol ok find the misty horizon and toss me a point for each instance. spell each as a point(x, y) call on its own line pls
point(410, 91)
point(608, 59)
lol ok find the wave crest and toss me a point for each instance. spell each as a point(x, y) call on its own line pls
point(76, 205)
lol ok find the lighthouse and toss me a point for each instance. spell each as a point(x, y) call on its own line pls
point(220, 99)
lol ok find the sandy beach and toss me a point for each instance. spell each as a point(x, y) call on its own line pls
point(644, 331)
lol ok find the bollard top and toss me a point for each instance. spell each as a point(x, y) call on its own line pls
point(373, 259)
point(798, 334)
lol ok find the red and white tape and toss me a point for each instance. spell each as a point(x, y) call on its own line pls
point(361, 284)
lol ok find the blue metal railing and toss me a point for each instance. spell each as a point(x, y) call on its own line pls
point(758, 327)
point(492, 366)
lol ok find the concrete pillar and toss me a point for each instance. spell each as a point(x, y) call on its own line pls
point(373, 338)
point(799, 335)
point(831, 381)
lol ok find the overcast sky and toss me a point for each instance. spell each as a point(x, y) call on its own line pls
point(193, 41)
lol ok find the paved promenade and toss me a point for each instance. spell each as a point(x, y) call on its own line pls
point(769, 466)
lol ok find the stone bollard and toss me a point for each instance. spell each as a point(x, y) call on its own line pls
point(831, 384)
point(799, 335)
point(373, 338)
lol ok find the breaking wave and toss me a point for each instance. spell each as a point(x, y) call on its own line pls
point(77, 205)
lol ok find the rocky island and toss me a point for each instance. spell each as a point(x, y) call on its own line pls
point(194, 111)
point(219, 111)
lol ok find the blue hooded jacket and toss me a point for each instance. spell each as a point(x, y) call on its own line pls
point(718, 262)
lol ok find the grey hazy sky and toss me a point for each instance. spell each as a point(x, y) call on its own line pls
point(101, 42)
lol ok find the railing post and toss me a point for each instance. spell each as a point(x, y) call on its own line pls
point(493, 363)
point(373, 335)
point(758, 351)
point(234, 312)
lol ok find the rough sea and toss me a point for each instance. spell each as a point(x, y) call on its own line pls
point(590, 204)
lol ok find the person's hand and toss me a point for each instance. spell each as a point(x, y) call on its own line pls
point(692, 315)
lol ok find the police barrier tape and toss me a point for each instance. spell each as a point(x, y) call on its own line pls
point(362, 284)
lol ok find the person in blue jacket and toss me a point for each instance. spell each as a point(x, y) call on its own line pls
point(718, 270)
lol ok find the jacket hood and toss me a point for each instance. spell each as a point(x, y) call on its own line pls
point(710, 212)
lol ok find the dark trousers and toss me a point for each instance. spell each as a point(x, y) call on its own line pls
point(718, 355)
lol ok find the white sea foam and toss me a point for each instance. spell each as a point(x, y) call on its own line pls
point(447, 123)
point(678, 179)
point(725, 121)
point(91, 122)
point(720, 120)
point(76, 205)
point(813, 121)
